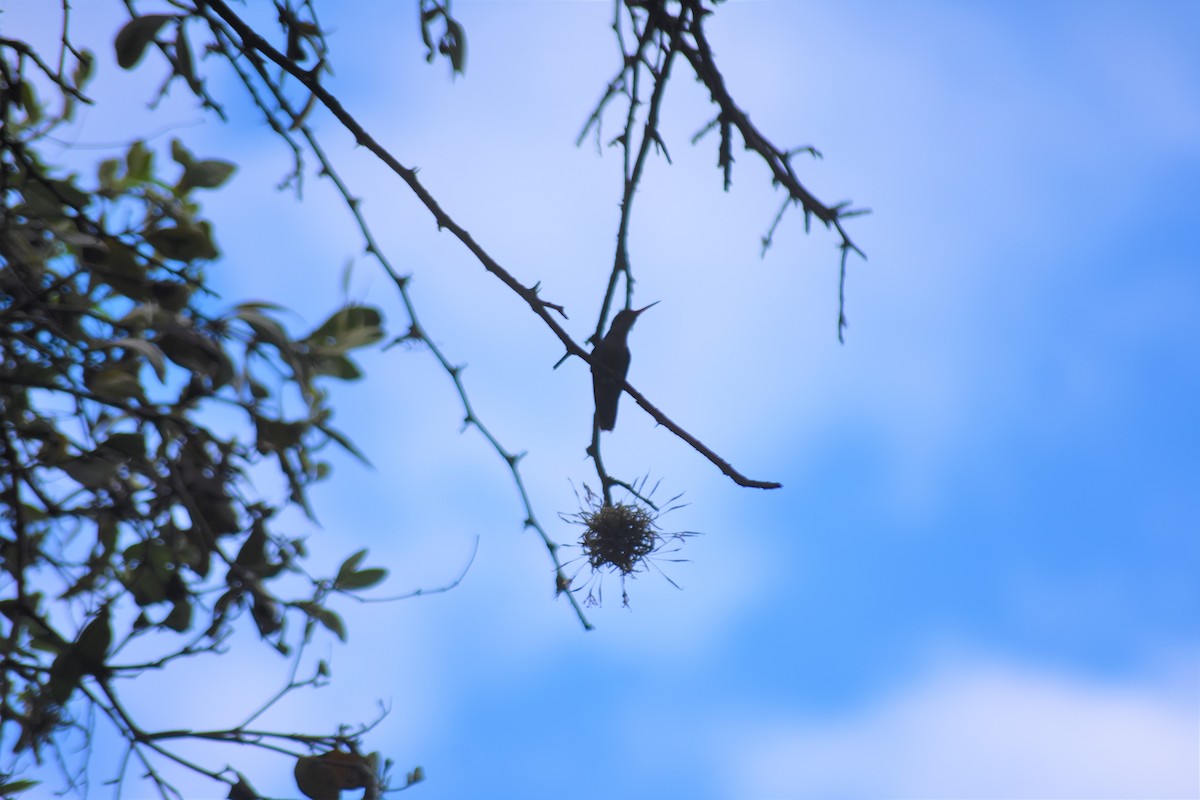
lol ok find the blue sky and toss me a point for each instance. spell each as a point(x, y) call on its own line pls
point(979, 579)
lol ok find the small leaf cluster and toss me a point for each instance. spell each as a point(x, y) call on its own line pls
point(169, 33)
point(451, 43)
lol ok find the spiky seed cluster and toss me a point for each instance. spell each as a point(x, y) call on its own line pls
point(619, 536)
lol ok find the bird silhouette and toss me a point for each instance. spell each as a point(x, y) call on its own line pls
point(610, 363)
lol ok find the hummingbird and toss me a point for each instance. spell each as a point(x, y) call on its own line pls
point(610, 363)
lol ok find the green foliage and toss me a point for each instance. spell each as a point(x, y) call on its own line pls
point(136, 36)
point(133, 410)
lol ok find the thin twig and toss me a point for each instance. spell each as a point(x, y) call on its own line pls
point(471, 417)
point(700, 56)
point(250, 40)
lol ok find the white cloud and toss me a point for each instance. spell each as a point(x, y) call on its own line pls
point(979, 729)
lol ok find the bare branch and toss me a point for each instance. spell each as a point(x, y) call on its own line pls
point(251, 41)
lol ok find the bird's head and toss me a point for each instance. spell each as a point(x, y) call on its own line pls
point(625, 318)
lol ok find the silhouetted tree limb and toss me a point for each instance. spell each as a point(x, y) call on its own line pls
point(251, 42)
point(86, 306)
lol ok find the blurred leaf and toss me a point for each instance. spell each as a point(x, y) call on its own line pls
point(275, 435)
point(265, 328)
point(107, 173)
point(183, 58)
point(242, 790)
point(340, 367)
point(144, 348)
point(146, 315)
point(86, 655)
point(129, 445)
point(137, 34)
point(171, 295)
point(70, 193)
point(363, 579)
point(150, 575)
point(326, 617)
point(184, 242)
point(427, 16)
point(139, 162)
point(207, 174)
point(41, 637)
point(113, 382)
point(217, 513)
point(456, 44)
point(13, 788)
point(118, 266)
point(182, 156)
point(90, 471)
point(180, 618)
point(265, 611)
point(261, 305)
point(65, 674)
point(253, 555)
point(87, 582)
point(296, 485)
point(195, 352)
point(93, 643)
point(315, 779)
point(83, 68)
point(28, 101)
point(347, 445)
point(39, 202)
point(106, 531)
point(348, 328)
point(323, 777)
point(221, 608)
point(350, 565)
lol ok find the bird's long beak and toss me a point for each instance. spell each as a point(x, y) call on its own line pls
point(652, 305)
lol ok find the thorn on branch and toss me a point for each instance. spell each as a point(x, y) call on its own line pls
point(700, 134)
point(556, 307)
point(725, 153)
point(661, 145)
point(808, 148)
